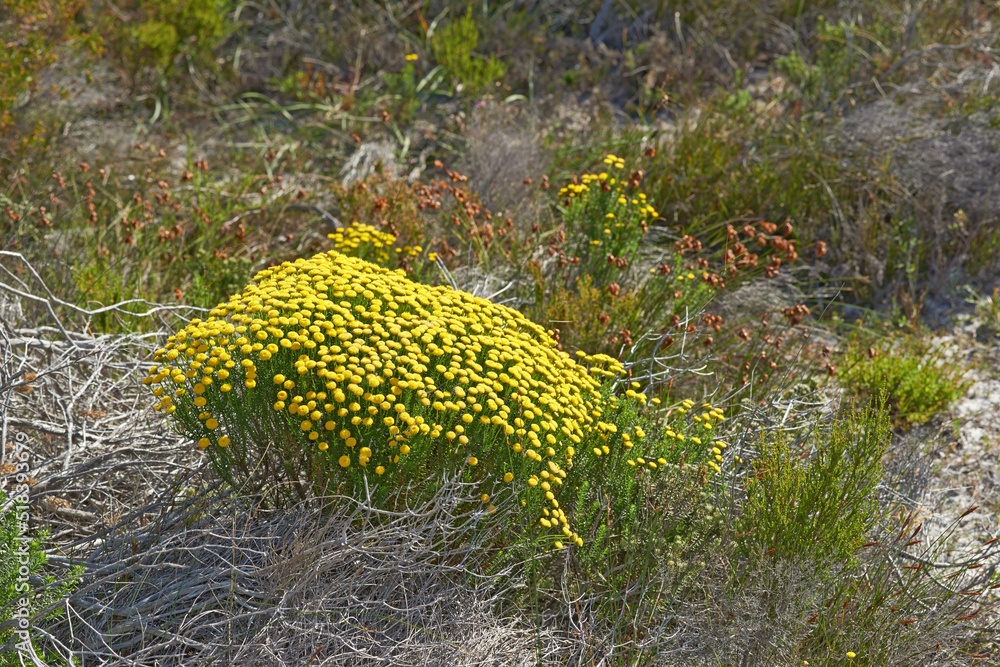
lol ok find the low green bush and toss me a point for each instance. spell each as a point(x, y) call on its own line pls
point(817, 504)
point(843, 52)
point(454, 48)
point(918, 380)
point(159, 32)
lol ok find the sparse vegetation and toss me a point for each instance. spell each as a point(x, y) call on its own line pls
point(21, 598)
point(600, 322)
point(918, 381)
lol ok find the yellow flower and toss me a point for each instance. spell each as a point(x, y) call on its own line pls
point(410, 57)
point(344, 461)
point(224, 441)
point(508, 477)
point(851, 655)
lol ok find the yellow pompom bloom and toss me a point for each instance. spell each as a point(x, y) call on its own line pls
point(344, 461)
point(508, 477)
point(224, 441)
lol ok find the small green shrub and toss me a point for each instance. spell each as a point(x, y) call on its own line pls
point(842, 53)
point(917, 379)
point(823, 506)
point(454, 48)
point(161, 31)
point(834, 60)
point(22, 557)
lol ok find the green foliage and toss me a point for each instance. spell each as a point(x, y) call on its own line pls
point(454, 48)
point(409, 89)
point(818, 505)
point(28, 590)
point(30, 32)
point(833, 60)
point(161, 31)
point(595, 296)
point(841, 53)
point(404, 86)
point(917, 379)
point(647, 514)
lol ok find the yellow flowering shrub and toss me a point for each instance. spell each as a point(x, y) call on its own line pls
point(604, 294)
point(331, 374)
point(608, 216)
point(369, 243)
